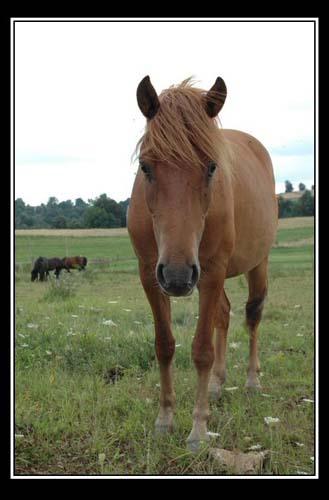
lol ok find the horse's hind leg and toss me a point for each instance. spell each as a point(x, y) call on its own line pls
point(218, 375)
point(257, 281)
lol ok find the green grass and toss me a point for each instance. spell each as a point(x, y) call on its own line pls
point(294, 234)
point(85, 389)
point(94, 247)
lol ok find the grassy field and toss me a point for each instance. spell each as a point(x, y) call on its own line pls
point(86, 377)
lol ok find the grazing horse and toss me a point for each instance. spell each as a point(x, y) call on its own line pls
point(77, 262)
point(202, 209)
point(42, 266)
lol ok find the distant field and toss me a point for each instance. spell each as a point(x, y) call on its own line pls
point(113, 244)
point(87, 380)
point(294, 222)
point(120, 231)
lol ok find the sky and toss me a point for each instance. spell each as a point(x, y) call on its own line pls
point(77, 121)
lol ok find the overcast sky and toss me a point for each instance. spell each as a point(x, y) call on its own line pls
point(76, 117)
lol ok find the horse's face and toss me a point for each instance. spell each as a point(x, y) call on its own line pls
point(178, 193)
point(178, 200)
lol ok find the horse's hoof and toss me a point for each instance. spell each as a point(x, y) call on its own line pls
point(253, 386)
point(162, 429)
point(214, 393)
point(196, 445)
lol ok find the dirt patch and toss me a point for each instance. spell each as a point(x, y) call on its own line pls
point(239, 462)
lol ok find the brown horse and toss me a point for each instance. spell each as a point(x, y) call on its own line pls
point(203, 209)
point(76, 262)
point(42, 266)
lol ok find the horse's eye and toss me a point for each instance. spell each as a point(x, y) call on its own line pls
point(211, 169)
point(147, 171)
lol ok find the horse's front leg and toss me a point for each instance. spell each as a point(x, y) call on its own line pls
point(203, 356)
point(164, 347)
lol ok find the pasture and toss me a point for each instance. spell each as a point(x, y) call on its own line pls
point(86, 376)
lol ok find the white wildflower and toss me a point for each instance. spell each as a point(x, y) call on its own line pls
point(231, 388)
point(308, 400)
point(235, 345)
point(213, 434)
point(255, 447)
point(32, 325)
point(109, 322)
point(271, 420)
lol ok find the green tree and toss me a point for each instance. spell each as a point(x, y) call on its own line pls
point(97, 217)
point(301, 186)
point(286, 207)
point(60, 222)
point(289, 187)
point(306, 204)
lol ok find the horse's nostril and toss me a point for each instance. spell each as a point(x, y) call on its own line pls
point(160, 275)
point(195, 275)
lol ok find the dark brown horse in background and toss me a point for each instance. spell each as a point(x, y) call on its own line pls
point(203, 209)
point(76, 262)
point(42, 266)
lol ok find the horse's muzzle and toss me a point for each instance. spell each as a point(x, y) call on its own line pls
point(177, 279)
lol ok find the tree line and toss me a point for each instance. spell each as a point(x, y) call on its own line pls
point(105, 212)
point(98, 212)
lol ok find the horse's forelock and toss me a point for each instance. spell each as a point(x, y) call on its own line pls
point(181, 133)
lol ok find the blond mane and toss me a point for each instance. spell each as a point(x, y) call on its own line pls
point(181, 133)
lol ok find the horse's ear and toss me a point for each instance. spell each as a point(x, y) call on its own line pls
point(215, 97)
point(147, 98)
